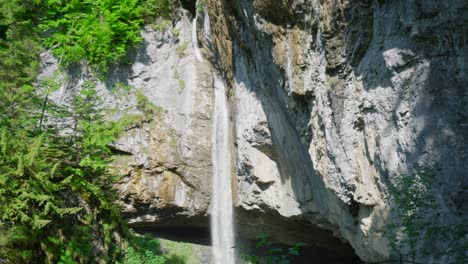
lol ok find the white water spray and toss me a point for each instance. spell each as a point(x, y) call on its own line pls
point(222, 220)
point(318, 39)
point(198, 54)
point(222, 223)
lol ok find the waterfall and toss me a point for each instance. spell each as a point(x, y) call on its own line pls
point(198, 54)
point(318, 38)
point(222, 220)
point(222, 223)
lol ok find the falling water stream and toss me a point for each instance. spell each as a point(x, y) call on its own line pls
point(198, 54)
point(222, 225)
point(222, 222)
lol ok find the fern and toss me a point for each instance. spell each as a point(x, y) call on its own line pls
point(98, 31)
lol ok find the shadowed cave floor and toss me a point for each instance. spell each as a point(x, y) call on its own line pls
point(201, 236)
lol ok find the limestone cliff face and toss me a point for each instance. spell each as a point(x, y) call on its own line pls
point(334, 99)
point(168, 176)
point(330, 101)
point(165, 156)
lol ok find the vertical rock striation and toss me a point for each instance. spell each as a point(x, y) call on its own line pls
point(334, 99)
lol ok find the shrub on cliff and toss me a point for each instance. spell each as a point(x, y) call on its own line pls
point(99, 31)
point(414, 219)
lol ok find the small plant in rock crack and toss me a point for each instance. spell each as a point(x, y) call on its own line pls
point(411, 202)
point(199, 7)
point(273, 254)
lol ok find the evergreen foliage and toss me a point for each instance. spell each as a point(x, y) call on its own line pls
point(19, 49)
point(55, 188)
point(56, 195)
point(48, 179)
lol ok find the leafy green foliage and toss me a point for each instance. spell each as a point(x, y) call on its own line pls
point(145, 105)
point(273, 254)
point(35, 178)
point(181, 252)
point(143, 249)
point(156, 8)
point(412, 201)
point(96, 30)
point(99, 31)
point(199, 7)
point(414, 211)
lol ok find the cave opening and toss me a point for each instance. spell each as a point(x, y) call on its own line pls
point(321, 246)
point(305, 255)
point(246, 245)
point(190, 5)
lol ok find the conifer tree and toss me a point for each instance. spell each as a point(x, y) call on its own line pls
point(56, 191)
point(49, 180)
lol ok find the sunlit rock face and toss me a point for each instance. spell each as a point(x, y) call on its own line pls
point(166, 156)
point(330, 101)
point(334, 99)
point(171, 185)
